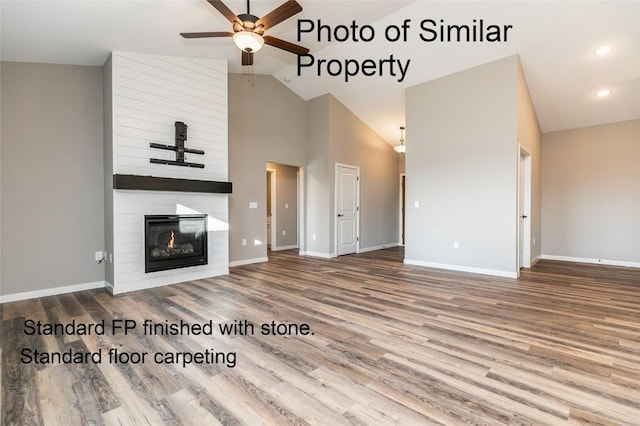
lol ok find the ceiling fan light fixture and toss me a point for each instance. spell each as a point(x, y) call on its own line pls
point(248, 41)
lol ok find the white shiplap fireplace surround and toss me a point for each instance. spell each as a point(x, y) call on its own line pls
point(144, 96)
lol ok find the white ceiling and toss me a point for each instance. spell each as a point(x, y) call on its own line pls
point(555, 41)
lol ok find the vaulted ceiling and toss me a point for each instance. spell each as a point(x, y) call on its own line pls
point(555, 41)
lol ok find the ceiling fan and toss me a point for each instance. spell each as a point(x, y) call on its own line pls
point(248, 30)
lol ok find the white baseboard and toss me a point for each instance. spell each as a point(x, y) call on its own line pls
point(317, 254)
point(50, 291)
point(284, 248)
point(536, 260)
point(380, 247)
point(248, 261)
point(459, 268)
point(589, 260)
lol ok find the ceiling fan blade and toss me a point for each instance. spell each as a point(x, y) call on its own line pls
point(279, 14)
point(285, 45)
point(247, 58)
point(224, 10)
point(207, 34)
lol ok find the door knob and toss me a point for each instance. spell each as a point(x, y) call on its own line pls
point(340, 215)
point(524, 217)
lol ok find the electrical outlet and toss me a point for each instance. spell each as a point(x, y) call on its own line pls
point(416, 204)
point(286, 205)
point(313, 237)
point(456, 245)
point(244, 241)
point(253, 204)
point(99, 256)
point(284, 232)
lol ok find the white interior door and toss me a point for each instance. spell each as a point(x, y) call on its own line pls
point(347, 195)
point(521, 213)
point(524, 210)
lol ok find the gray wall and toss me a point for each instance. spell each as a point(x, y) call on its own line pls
point(355, 144)
point(336, 135)
point(461, 165)
point(530, 138)
point(286, 206)
point(313, 135)
point(266, 123)
point(317, 177)
point(52, 176)
point(591, 192)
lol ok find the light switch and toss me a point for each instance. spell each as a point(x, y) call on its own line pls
point(416, 204)
point(253, 204)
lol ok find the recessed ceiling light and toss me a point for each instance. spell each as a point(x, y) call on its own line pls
point(603, 50)
point(603, 92)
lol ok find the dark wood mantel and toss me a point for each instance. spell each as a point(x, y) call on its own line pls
point(152, 183)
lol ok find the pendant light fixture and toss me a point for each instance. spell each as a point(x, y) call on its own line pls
point(400, 149)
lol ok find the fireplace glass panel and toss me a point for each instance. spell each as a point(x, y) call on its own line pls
point(175, 241)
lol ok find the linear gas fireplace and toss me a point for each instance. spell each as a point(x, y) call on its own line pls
point(175, 241)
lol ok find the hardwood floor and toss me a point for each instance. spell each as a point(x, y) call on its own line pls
point(391, 344)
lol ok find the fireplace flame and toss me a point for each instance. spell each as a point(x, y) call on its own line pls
point(172, 240)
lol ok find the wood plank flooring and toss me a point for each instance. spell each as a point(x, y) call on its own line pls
point(391, 344)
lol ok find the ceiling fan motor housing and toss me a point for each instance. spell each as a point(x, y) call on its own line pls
point(248, 24)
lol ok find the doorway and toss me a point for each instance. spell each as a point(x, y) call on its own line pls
point(271, 197)
point(524, 210)
point(283, 206)
point(347, 217)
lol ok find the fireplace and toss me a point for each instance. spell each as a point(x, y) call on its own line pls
point(175, 241)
